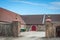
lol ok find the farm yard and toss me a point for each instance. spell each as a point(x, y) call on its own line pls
point(29, 36)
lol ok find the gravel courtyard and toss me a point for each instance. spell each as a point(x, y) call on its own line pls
point(29, 36)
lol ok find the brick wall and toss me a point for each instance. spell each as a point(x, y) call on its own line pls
point(10, 29)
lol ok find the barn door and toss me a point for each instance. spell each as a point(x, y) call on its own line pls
point(33, 28)
point(58, 31)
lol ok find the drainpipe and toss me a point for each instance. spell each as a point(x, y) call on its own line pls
point(43, 19)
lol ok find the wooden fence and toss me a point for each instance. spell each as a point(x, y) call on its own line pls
point(5, 29)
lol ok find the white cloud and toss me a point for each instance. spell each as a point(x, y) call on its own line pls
point(54, 6)
point(55, 3)
point(51, 5)
point(30, 3)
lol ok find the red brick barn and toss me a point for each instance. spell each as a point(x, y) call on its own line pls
point(7, 16)
point(30, 23)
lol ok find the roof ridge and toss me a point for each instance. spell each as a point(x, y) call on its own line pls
point(8, 10)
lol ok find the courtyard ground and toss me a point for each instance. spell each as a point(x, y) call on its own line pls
point(29, 36)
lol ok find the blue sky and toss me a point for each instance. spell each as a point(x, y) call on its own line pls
point(32, 7)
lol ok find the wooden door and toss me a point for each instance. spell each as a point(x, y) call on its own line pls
point(33, 28)
point(58, 31)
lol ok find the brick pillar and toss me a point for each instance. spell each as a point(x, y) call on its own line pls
point(49, 27)
point(15, 28)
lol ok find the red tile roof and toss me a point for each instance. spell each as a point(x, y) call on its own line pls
point(32, 19)
point(38, 19)
point(8, 16)
point(54, 17)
